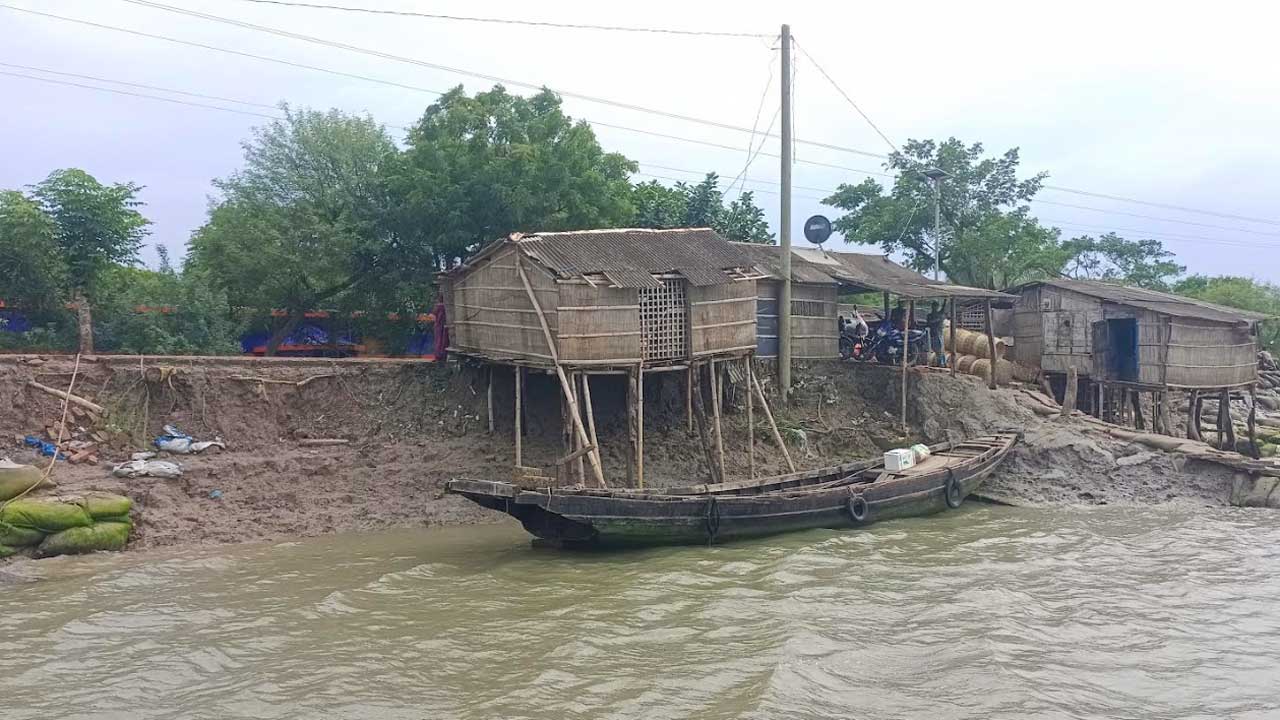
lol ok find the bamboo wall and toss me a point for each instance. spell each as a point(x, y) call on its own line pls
point(722, 318)
point(598, 324)
point(1053, 329)
point(1207, 354)
point(490, 314)
point(815, 332)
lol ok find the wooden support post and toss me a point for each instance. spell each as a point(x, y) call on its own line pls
point(906, 352)
point(640, 425)
point(579, 469)
point(1225, 424)
point(1139, 421)
point(717, 369)
point(488, 393)
point(955, 326)
point(777, 436)
point(1042, 379)
point(519, 383)
point(704, 434)
point(633, 438)
point(1193, 416)
point(1252, 422)
point(1166, 413)
point(563, 472)
point(991, 343)
point(1069, 395)
point(688, 395)
point(565, 386)
point(886, 307)
point(586, 407)
point(751, 420)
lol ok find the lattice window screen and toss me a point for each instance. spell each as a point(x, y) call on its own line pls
point(664, 321)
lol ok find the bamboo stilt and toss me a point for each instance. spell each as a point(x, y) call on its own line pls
point(1193, 416)
point(519, 383)
point(579, 467)
point(716, 371)
point(639, 425)
point(751, 421)
point(955, 325)
point(906, 352)
point(777, 436)
point(1224, 421)
point(565, 387)
point(633, 438)
point(488, 393)
point(991, 344)
point(1139, 420)
point(1252, 422)
point(1069, 396)
point(688, 396)
point(704, 434)
point(591, 414)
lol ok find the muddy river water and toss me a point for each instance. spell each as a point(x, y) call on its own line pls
point(987, 612)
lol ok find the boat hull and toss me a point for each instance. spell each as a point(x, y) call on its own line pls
point(578, 517)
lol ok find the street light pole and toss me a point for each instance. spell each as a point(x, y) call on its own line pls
point(937, 175)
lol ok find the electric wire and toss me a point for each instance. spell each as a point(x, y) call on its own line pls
point(892, 145)
point(509, 21)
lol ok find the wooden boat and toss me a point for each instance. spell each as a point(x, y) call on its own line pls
point(841, 496)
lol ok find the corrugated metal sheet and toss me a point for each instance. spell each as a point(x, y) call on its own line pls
point(1166, 303)
point(768, 260)
point(699, 254)
point(633, 278)
point(876, 272)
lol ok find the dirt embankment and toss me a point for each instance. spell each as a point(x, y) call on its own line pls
point(411, 427)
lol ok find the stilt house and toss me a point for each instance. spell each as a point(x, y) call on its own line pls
point(619, 297)
point(1121, 335)
point(814, 328)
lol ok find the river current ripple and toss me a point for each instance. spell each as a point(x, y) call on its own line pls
point(986, 612)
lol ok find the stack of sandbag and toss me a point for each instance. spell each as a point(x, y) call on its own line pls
point(65, 526)
point(17, 479)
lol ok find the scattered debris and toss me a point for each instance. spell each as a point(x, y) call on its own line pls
point(321, 442)
point(148, 468)
point(46, 449)
point(179, 443)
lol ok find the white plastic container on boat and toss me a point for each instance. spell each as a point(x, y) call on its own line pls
point(899, 459)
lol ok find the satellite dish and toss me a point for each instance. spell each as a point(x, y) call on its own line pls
point(817, 229)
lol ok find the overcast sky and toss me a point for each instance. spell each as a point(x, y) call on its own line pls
point(1160, 102)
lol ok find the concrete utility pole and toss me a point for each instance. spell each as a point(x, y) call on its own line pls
point(784, 224)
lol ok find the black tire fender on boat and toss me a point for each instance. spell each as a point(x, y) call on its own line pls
point(858, 507)
point(952, 492)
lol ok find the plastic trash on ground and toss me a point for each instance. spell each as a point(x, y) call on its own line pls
point(46, 449)
point(147, 468)
point(180, 443)
point(921, 451)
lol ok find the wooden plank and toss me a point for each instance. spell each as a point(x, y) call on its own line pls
point(640, 425)
point(576, 454)
point(955, 356)
point(991, 342)
point(906, 353)
point(488, 396)
point(716, 388)
point(1069, 397)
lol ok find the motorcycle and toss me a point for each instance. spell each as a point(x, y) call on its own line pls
point(884, 346)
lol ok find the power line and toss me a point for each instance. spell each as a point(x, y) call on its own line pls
point(1164, 206)
point(140, 95)
point(404, 86)
point(507, 21)
point(472, 73)
point(1155, 217)
point(892, 146)
point(1159, 235)
point(678, 180)
point(756, 122)
point(135, 85)
point(620, 104)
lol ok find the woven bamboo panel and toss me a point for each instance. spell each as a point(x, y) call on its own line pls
point(1205, 354)
point(599, 323)
point(722, 318)
point(490, 313)
point(664, 321)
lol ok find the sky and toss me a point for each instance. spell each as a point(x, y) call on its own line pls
point(1170, 103)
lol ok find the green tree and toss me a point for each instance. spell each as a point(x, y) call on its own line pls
point(1238, 292)
point(478, 168)
point(98, 226)
point(1144, 263)
point(304, 222)
point(154, 312)
point(990, 238)
point(32, 272)
point(700, 205)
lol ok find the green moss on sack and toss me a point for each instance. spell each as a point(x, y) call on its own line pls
point(49, 516)
point(76, 540)
point(15, 536)
point(106, 505)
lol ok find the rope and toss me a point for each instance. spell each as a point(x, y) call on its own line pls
point(57, 446)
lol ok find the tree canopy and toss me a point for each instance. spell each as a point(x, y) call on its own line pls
point(700, 205)
point(479, 168)
point(97, 225)
point(33, 273)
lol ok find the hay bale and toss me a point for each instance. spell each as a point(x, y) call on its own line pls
point(15, 479)
point(15, 536)
point(967, 342)
point(981, 368)
point(92, 538)
point(965, 364)
point(45, 515)
point(106, 505)
point(1004, 370)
